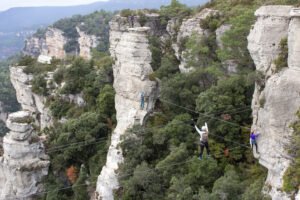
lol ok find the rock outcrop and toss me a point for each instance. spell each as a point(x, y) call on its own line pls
point(24, 163)
point(187, 29)
point(86, 42)
point(119, 25)
point(277, 97)
point(130, 48)
point(29, 100)
point(51, 45)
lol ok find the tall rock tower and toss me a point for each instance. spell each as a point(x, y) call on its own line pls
point(277, 97)
point(130, 48)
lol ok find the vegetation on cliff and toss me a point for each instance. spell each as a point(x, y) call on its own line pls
point(292, 175)
point(161, 156)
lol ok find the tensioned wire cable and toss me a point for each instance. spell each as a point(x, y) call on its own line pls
point(59, 148)
point(51, 150)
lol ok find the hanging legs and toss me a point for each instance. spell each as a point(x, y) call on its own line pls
point(202, 146)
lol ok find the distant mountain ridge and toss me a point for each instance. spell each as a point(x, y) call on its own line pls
point(17, 19)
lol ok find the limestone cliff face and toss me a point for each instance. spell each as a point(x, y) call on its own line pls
point(51, 45)
point(29, 100)
point(86, 42)
point(33, 46)
point(24, 163)
point(276, 98)
point(119, 25)
point(187, 28)
point(130, 48)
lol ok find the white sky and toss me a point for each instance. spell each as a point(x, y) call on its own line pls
point(6, 4)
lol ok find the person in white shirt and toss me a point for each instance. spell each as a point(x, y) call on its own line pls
point(203, 140)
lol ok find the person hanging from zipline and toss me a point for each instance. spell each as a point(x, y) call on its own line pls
point(253, 141)
point(142, 105)
point(203, 140)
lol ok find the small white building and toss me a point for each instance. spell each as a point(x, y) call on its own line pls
point(44, 59)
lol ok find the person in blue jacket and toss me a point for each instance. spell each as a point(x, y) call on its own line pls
point(253, 141)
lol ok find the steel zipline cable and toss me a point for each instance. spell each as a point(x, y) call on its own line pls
point(86, 143)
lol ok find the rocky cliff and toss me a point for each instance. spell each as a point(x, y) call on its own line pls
point(276, 97)
point(86, 42)
point(29, 100)
point(53, 43)
point(188, 27)
point(119, 25)
point(130, 48)
point(23, 163)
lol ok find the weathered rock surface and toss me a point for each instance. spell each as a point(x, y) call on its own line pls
point(187, 29)
point(24, 163)
point(33, 46)
point(86, 42)
point(51, 45)
point(119, 25)
point(55, 42)
point(270, 28)
point(131, 70)
point(3, 113)
point(29, 100)
point(277, 99)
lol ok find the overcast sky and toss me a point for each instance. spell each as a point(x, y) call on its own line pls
point(6, 4)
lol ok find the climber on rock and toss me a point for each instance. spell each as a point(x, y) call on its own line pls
point(131, 21)
point(253, 141)
point(142, 100)
point(203, 140)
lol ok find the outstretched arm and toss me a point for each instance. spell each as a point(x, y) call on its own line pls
point(206, 127)
point(198, 130)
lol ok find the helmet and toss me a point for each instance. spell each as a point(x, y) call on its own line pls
point(203, 128)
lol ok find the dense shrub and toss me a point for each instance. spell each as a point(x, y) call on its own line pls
point(26, 61)
point(282, 59)
point(175, 9)
point(39, 85)
point(127, 13)
point(291, 179)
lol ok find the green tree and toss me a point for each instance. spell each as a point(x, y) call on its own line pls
point(144, 184)
point(80, 186)
point(106, 101)
point(175, 9)
point(228, 186)
point(227, 95)
point(291, 179)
